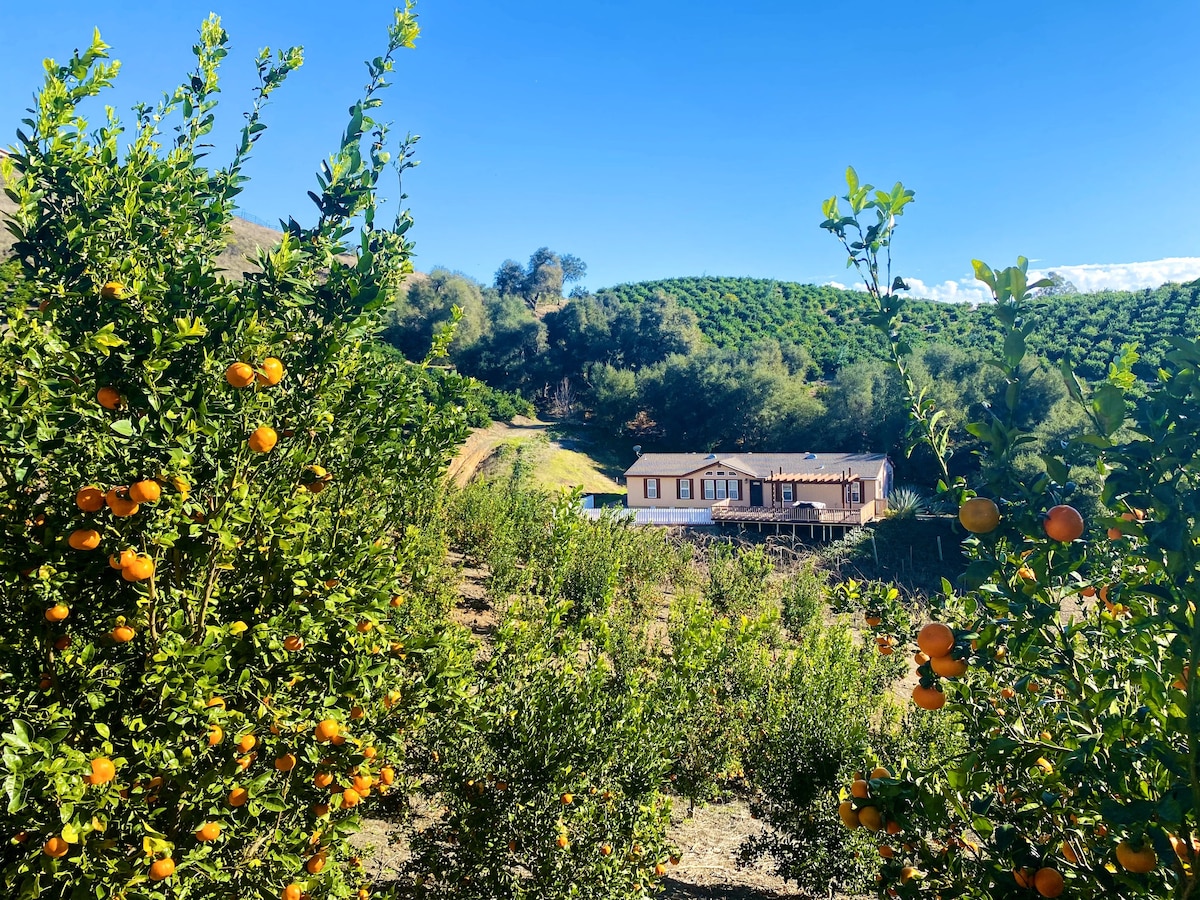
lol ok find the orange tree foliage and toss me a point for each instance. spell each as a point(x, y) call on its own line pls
point(1079, 708)
point(230, 645)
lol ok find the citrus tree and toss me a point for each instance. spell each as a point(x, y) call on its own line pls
point(1068, 665)
point(212, 494)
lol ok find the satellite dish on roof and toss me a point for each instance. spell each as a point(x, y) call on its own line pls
point(637, 448)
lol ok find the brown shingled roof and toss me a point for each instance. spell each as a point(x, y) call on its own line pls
point(800, 467)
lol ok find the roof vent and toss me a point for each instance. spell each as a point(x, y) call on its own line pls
point(810, 455)
point(711, 456)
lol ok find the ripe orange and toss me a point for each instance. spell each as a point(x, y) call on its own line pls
point(1024, 877)
point(1049, 882)
point(57, 613)
point(886, 852)
point(161, 869)
point(292, 892)
point(90, 499)
point(326, 730)
point(238, 796)
point(928, 697)
point(246, 742)
point(84, 539)
point(1026, 573)
point(948, 666)
point(387, 775)
point(1008, 693)
point(979, 515)
point(216, 734)
point(908, 873)
point(660, 870)
point(239, 374)
point(936, 639)
point(123, 634)
point(870, 818)
point(109, 398)
point(562, 841)
point(56, 847)
point(364, 625)
point(567, 799)
point(210, 831)
point(315, 863)
point(848, 815)
point(270, 372)
point(1136, 859)
point(118, 501)
point(323, 779)
point(606, 849)
point(141, 568)
point(350, 797)
point(860, 789)
point(362, 784)
point(286, 763)
point(113, 290)
point(921, 657)
point(103, 770)
point(1063, 523)
point(263, 439)
point(145, 491)
point(62, 643)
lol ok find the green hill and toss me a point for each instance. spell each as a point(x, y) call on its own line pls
point(830, 322)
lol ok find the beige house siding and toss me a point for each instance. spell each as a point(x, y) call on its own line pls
point(668, 490)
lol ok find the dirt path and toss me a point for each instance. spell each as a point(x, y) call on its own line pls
point(483, 442)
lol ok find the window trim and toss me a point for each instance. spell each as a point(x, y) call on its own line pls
point(684, 488)
point(651, 488)
point(735, 488)
point(710, 490)
point(855, 492)
point(787, 493)
point(722, 489)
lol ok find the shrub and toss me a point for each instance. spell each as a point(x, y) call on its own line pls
point(175, 699)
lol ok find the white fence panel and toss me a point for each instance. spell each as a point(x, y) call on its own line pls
point(669, 516)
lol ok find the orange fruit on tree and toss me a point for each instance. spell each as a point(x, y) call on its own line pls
point(122, 634)
point(285, 763)
point(362, 784)
point(562, 841)
point(1136, 859)
point(119, 502)
point(84, 539)
point(886, 851)
point(270, 373)
point(209, 831)
point(315, 863)
point(1008, 693)
point(238, 796)
point(240, 374)
point(567, 799)
point(908, 873)
point(921, 657)
point(936, 639)
point(246, 742)
point(57, 612)
point(326, 730)
point(90, 499)
point(870, 818)
point(1024, 877)
point(948, 666)
point(979, 515)
point(56, 847)
point(1049, 882)
point(387, 775)
point(216, 734)
point(848, 816)
point(113, 290)
point(350, 797)
point(145, 491)
point(660, 870)
point(293, 643)
point(63, 642)
point(860, 789)
point(292, 892)
point(928, 697)
point(370, 752)
point(162, 869)
point(140, 569)
point(262, 439)
point(1063, 523)
point(323, 779)
point(1069, 853)
point(879, 772)
point(103, 770)
point(109, 398)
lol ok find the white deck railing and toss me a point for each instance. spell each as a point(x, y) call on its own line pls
point(668, 516)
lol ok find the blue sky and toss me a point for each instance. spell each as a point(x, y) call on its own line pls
point(655, 139)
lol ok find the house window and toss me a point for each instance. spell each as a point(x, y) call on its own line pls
point(709, 489)
point(734, 489)
point(722, 490)
point(685, 489)
point(855, 493)
point(652, 488)
point(787, 493)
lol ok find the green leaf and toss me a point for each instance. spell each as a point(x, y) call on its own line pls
point(123, 427)
point(1108, 404)
point(851, 179)
point(983, 272)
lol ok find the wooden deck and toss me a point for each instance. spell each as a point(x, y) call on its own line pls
point(793, 515)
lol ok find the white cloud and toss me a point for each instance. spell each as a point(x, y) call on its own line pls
point(1088, 277)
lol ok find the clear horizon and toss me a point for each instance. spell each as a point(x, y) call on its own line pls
point(669, 139)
